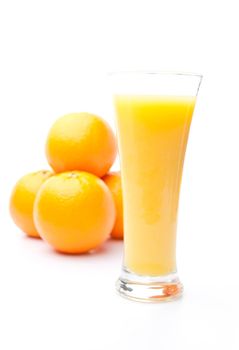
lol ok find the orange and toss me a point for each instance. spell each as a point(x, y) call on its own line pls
point(113, 181)
point(81, 141)
point(22, 200)
point(74, 212)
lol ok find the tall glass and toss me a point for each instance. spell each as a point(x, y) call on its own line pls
point(153, 117)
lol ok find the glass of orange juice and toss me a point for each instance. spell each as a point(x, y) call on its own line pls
point(153, 116)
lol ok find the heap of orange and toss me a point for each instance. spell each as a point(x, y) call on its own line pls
point(73, 210)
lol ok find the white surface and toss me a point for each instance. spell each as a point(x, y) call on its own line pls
point(53, 58)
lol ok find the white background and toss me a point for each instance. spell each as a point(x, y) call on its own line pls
point(53, 60)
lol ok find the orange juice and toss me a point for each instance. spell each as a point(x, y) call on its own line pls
point(153, 133)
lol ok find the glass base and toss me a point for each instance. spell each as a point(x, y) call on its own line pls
point(149, 288)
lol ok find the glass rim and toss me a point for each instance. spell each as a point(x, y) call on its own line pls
point(149, 72)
